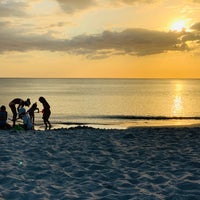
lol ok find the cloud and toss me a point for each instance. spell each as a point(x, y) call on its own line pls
point(18, 8)
point(18, 36)
point(135, 1)
point(196, 26)
point(12, 8)
point(139, 42)
point(194, 36)
point(72, 6)
point(136, 42)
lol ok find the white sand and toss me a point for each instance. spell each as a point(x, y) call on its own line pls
point(86, 163)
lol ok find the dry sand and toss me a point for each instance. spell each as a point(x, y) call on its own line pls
point(87, 163)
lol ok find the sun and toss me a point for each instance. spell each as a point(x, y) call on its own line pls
point(178, 26)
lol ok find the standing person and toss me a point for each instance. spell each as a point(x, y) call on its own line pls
point(46, 112)
point(21, 103)
point(31, 112)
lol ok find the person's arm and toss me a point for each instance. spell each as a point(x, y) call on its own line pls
point(21, 105)
point(18, 107)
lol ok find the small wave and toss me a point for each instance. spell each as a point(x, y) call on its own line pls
point(135, 117)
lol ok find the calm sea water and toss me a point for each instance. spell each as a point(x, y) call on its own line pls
point(110, 102)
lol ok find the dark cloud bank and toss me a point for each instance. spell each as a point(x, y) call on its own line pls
point(139, 42)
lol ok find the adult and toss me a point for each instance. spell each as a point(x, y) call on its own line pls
point(21, 103)
point(46, 112)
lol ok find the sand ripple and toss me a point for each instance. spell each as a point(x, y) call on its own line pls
point(86, 163)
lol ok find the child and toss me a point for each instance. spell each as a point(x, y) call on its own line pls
point(26, 119)
point(46, 112)
point(31, 111)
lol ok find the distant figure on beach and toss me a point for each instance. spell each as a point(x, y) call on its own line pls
point(46, 112)
point(31, 112)
point(21, 103)
point(3, 118)
point(27, 124)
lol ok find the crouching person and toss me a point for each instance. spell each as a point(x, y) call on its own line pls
point(3, 118)
point(27, 124)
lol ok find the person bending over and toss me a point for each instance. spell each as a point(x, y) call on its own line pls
point(21, 103)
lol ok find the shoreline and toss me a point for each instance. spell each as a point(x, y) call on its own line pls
point(39, 126)
point(124, 126)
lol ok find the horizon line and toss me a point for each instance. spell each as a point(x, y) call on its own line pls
point(99, 77)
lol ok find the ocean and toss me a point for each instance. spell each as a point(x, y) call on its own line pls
point(109, 103)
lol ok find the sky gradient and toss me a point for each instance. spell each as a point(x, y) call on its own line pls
point(100, 38)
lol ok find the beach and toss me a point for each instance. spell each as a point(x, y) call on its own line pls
point(90, 163)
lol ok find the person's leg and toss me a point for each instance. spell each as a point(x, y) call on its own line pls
point(33, 118)
point(14, 111)
point(46, 119)
point(49, 124)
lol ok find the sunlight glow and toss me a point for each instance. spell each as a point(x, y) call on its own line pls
point(178, 26)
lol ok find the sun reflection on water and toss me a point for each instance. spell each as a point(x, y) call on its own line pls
point(177, 100)
point(178, 105)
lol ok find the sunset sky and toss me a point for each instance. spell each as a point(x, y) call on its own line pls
point(100, 38)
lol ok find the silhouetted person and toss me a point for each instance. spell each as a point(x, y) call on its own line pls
point(46, 112)
point(31, 112)
point(21, 103)
point(27, 124)
point(3, 118)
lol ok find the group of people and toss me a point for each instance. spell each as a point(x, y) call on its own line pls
point(17, 107)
